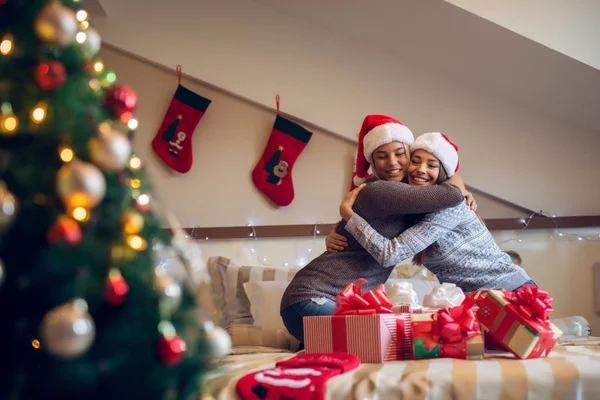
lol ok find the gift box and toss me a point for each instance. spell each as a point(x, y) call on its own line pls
point(519, 320)
point(374, 338)
point(362, 324)
point(448, 333)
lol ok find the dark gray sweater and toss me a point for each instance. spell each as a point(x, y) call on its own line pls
point(329, 273)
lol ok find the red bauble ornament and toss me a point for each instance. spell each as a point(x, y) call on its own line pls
point(116, 289)
point(50, 75)
point(171, 350)
point(120, 99)
point(64, 229)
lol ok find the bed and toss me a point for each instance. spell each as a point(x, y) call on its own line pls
point(571, 371)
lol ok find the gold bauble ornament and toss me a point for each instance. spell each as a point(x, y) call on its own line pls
point(8, 207)
point(132, 222)
point(111, 149)
point(80, 184)
point(56, 24)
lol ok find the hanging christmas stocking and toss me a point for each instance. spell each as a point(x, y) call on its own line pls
point(300, 378)
point(273, 173)
point(173, 142)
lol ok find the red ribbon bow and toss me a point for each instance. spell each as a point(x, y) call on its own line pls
point(531, 302)
point(352, 300)
point(457, 324)
point(454, 326)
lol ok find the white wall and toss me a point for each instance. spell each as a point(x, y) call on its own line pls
point(218, 190)
point(256, 52)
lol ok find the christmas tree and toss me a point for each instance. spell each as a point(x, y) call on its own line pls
point(86, 312)
point(169, 133)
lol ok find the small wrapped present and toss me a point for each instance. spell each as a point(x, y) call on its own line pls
point(362, 324)
point(374, 338)
point(519, 320)
point(448, 333)
point(446, 295)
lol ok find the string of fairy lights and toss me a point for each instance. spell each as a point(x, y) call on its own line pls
point(559, 232)
point(302, 260)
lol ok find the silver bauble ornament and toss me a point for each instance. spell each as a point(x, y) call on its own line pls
point(218, 341)
point(80, 184)
point(56, 24)
point(8, 207)
point(68, 331)
point(170, 291)
point(92, 43)
point(2, 272)
point(110, 150)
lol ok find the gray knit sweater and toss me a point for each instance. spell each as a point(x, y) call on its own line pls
point(463, 251)
point(329, 273)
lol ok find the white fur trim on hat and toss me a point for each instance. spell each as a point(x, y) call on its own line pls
point(386, 133)
point(358, 180)
point(440, 146)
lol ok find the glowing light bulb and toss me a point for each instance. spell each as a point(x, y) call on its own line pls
point(143, 200)
point(10, 124)
point(38, 115)
point(136, 242)
point(111, 77)
point(66, 154)
point(135, 162)
point(98, 66)
point(135, 183)
point(81, 37)
point(132, 124)
point(80, 214)
point(6, 46)
point(206, 238)
point(81, 15)
point(35, 344)
point(579, 238)
point(84, 25)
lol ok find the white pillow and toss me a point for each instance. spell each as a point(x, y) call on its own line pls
point(420, 286)
point(265, 299)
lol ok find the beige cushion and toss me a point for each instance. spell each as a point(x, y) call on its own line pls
point(252, 335)
point(265, 298)
point(236, 309)
point(214, 271)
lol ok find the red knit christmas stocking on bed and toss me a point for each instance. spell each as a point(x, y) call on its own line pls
point(300, 378)
point(273, 173)
point(173, 142)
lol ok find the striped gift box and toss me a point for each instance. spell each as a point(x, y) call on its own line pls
point(373, 338)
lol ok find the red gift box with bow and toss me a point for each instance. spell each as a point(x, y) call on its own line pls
point(519, 320)
point(363, 324)
point(448, 333)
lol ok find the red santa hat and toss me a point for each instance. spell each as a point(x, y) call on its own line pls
point(377, 130)
point(440, 146)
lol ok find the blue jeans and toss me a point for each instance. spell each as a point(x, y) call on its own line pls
point(292, 316)
point(529, 282)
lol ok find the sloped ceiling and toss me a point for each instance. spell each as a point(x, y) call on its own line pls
point(423, 60)
point(569, 27)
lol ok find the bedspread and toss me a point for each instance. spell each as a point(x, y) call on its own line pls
point(571, 371)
